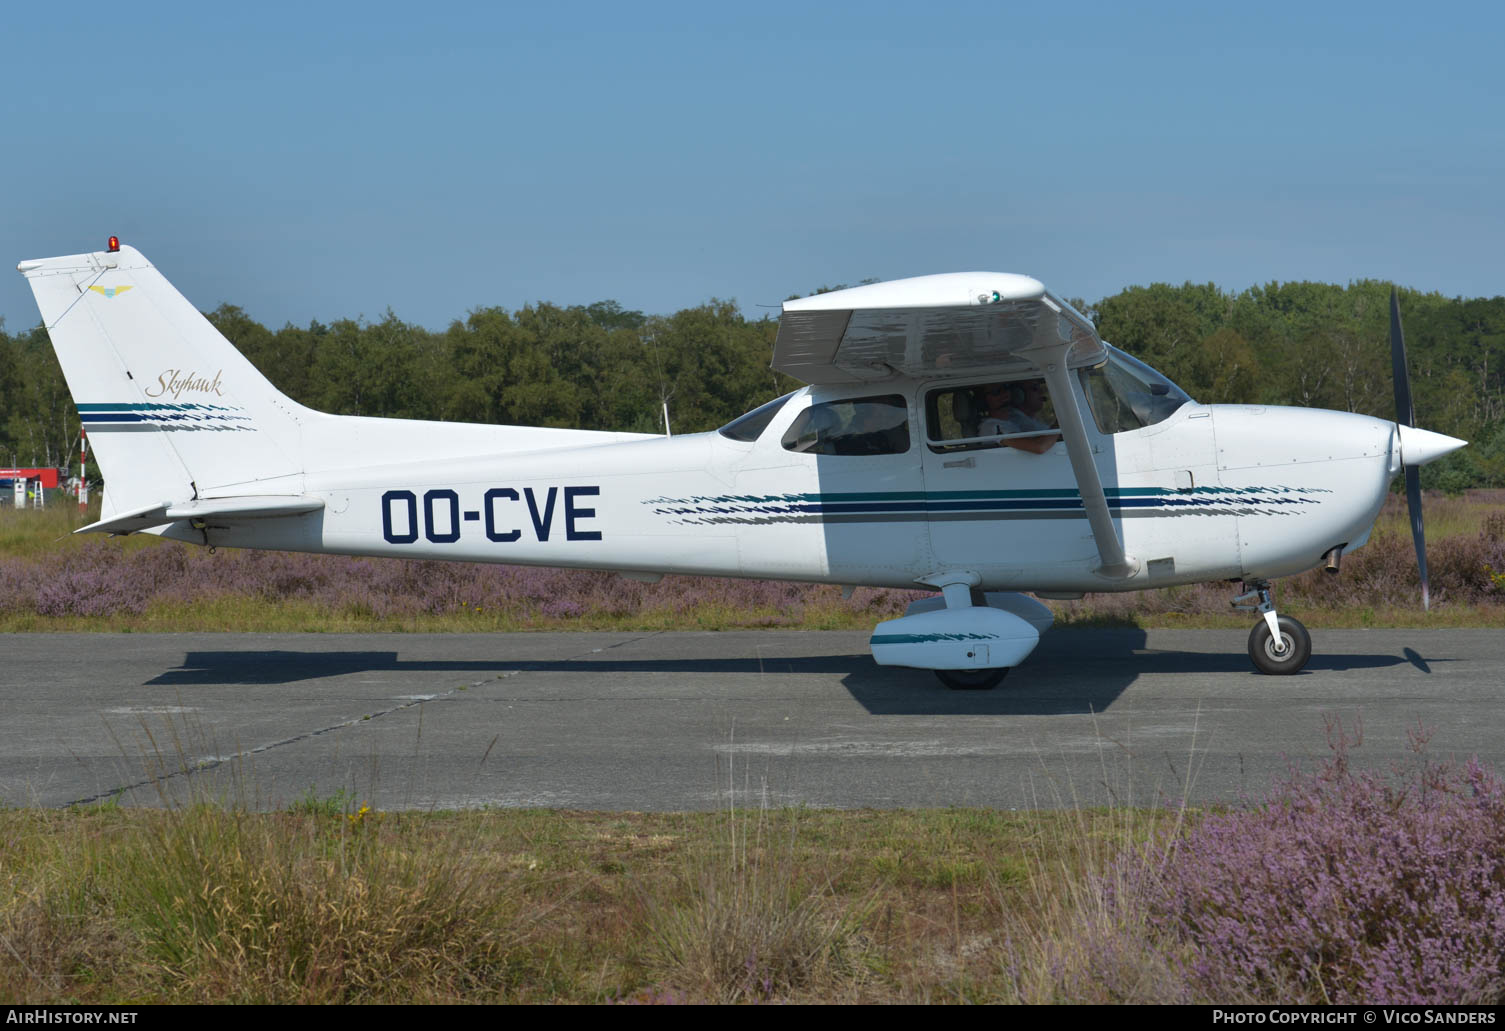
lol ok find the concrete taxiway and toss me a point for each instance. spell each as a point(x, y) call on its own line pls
point(670, 721)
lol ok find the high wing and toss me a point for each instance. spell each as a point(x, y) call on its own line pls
point(958, 323)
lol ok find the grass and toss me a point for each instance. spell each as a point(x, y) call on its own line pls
point(208, 903)
point(213, 903)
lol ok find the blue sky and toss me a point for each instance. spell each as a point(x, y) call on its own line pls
point(321, 160)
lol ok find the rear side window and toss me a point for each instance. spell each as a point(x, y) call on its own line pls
point(860, 426)
point(748, 428)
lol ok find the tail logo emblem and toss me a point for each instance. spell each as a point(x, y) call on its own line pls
point(175, 382)
point(109, 291)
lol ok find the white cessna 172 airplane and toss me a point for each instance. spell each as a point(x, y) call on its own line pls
point(967, 433)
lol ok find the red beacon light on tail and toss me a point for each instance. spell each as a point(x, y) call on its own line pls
point(114, 245)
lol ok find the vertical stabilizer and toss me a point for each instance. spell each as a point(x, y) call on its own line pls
point(172, 409)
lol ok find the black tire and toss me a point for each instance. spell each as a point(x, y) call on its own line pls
point(972, 679)
point(1297, 651)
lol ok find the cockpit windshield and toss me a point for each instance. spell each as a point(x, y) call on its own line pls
point(1126, 394)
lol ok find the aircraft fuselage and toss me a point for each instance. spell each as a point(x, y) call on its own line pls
point(1212, 492)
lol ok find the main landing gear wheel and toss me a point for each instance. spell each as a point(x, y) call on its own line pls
point(1286, 657)
point(972, 679)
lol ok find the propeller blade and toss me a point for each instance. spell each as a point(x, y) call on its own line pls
point(1418, 537)
point(1405, 415)
point(1399, 371)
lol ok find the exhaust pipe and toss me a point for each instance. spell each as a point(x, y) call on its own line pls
point(1332, 560)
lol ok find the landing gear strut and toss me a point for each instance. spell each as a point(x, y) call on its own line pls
point(1278, 645)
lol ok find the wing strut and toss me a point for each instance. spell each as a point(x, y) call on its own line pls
point(1115, 564)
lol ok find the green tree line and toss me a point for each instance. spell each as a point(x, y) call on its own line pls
point(602, 366)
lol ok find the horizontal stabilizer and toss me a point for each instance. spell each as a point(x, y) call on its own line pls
point(219, 509)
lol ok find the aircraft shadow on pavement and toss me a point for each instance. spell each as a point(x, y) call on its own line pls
point(1074, 672)
point(1116, 652)
point(286, 667)
point(1071, 679)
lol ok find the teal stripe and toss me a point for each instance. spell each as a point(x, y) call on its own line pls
point(928, 638)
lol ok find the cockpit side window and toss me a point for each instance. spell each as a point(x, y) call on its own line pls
point(860, 426)
point(1126, 394)
point(989, 415)
point(748, 428)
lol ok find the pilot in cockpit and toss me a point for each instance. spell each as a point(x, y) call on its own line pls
point(1015, 408)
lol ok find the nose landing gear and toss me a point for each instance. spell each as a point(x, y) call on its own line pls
point(1278, 645)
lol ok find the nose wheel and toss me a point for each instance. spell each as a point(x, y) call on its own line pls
point(1278, 645)
point(1283, 655)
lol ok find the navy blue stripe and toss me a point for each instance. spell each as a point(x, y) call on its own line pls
point(988, 505)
